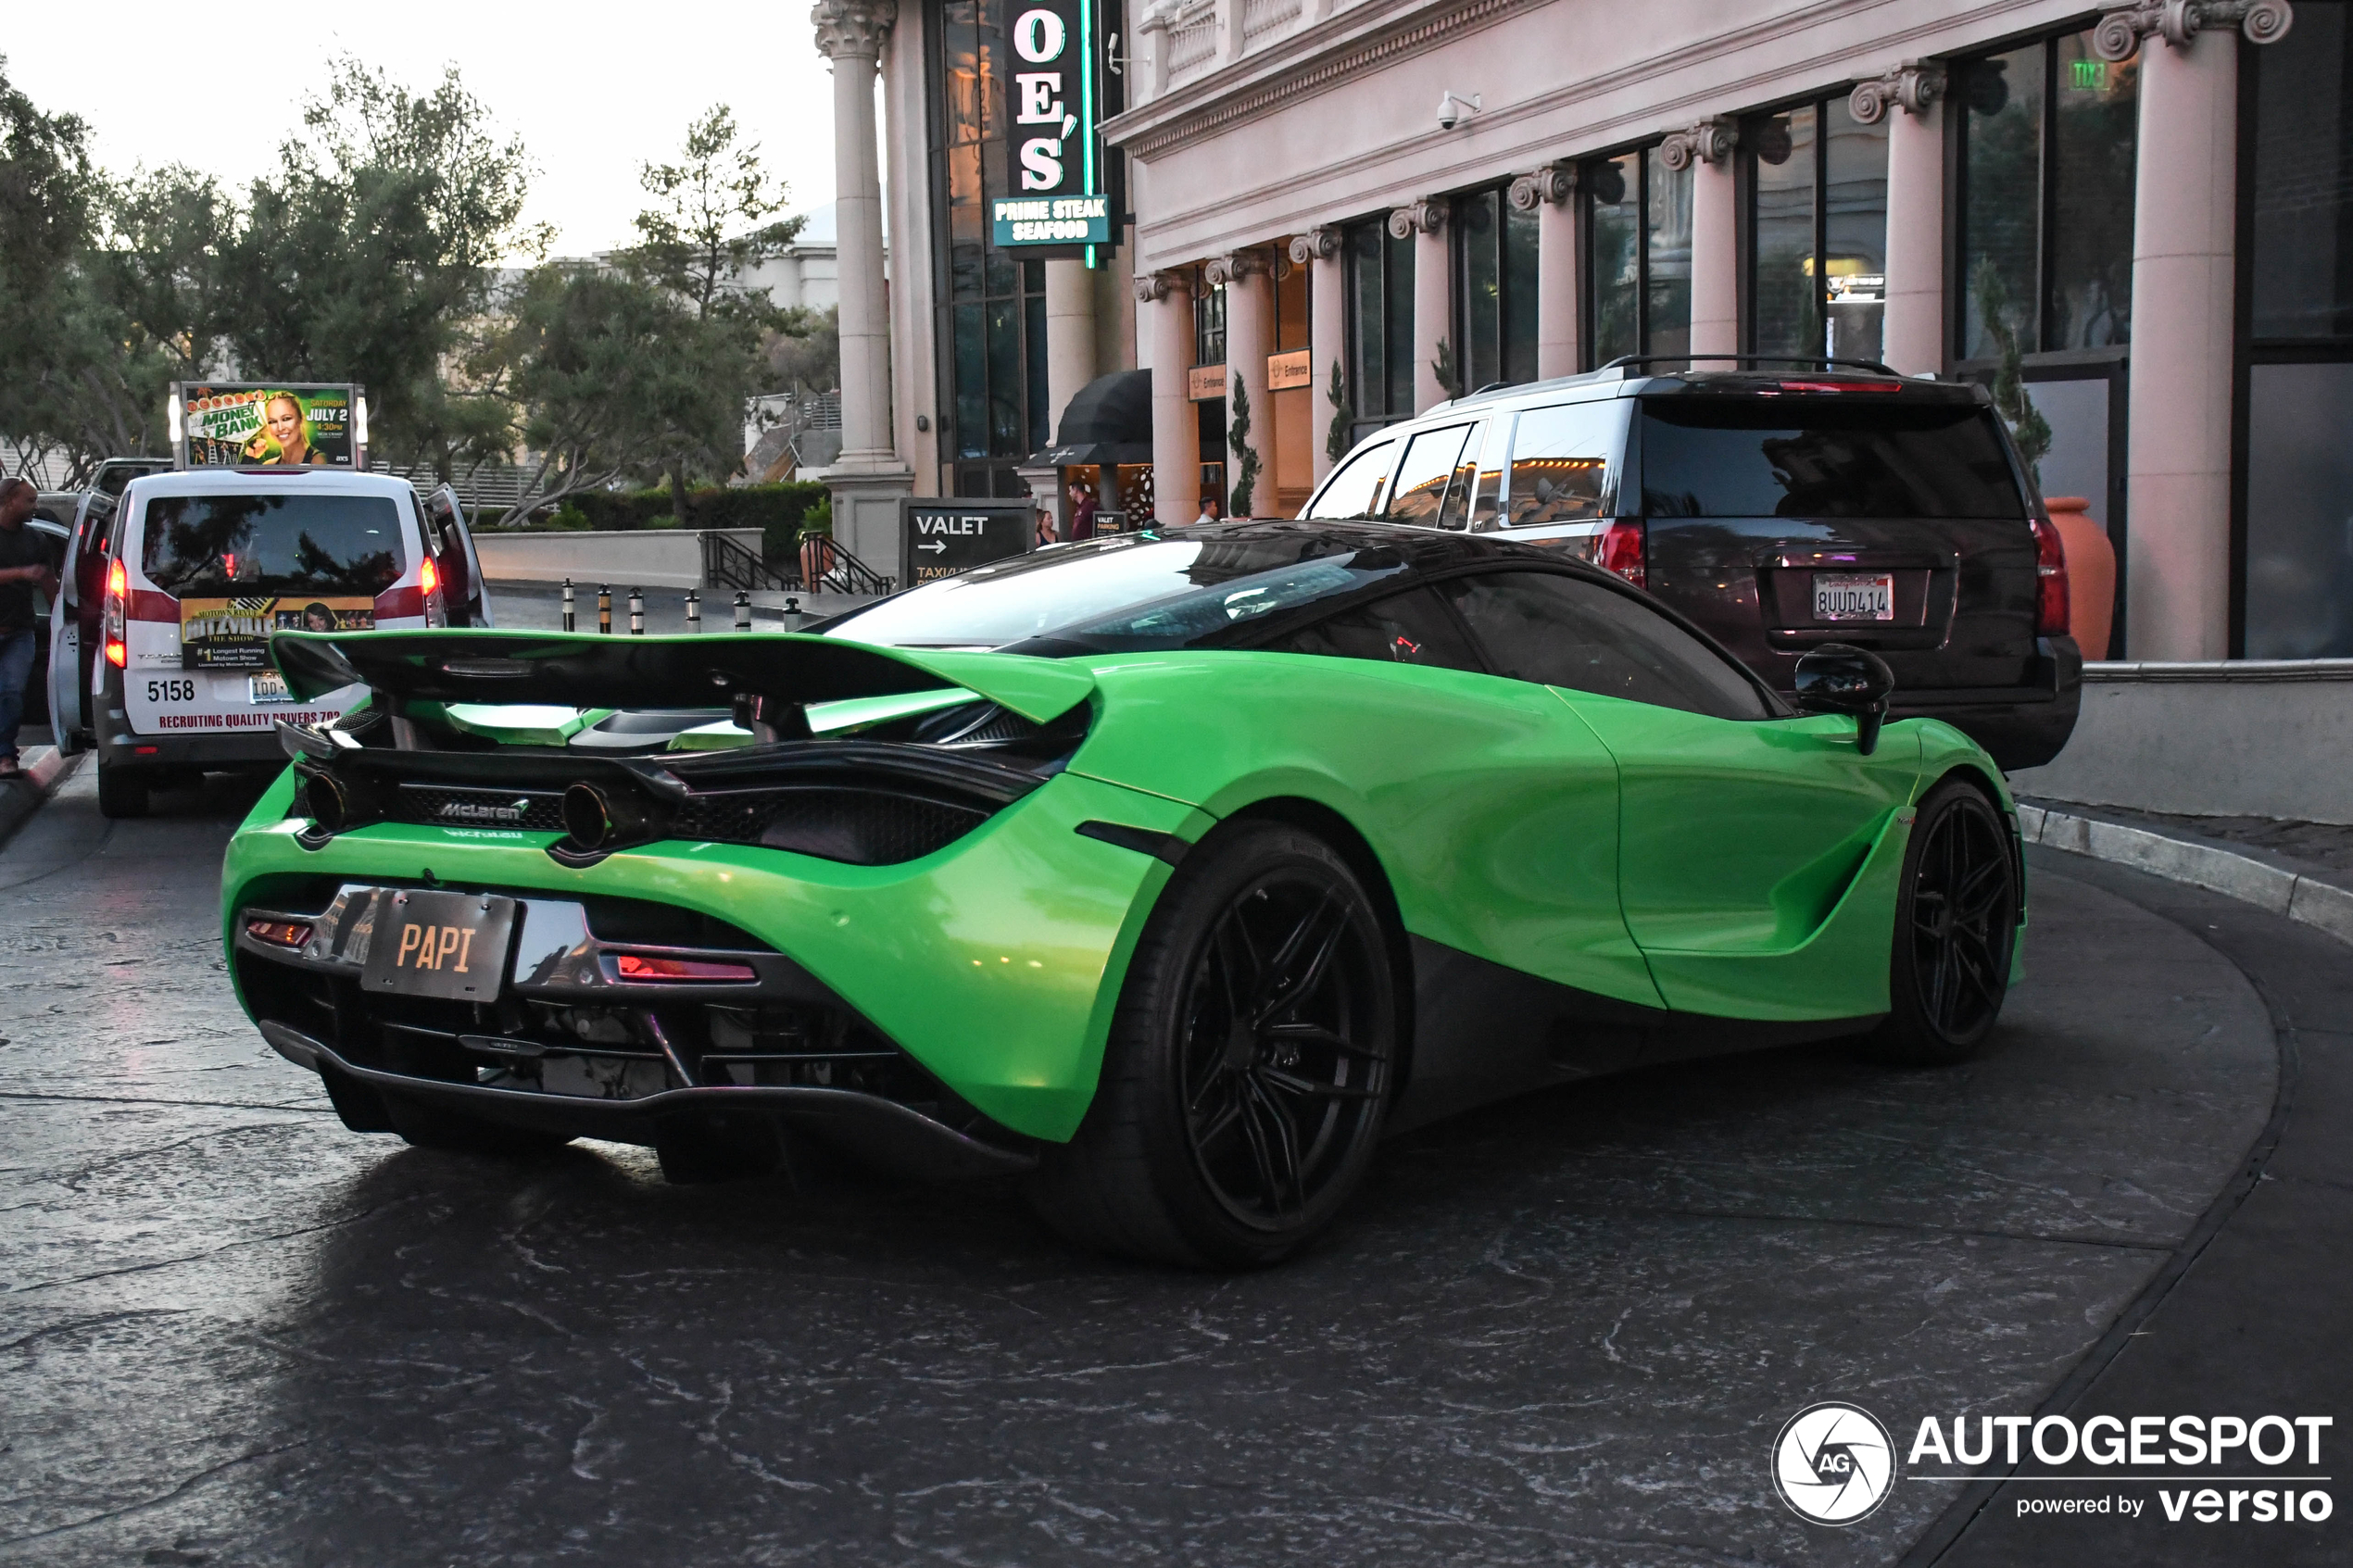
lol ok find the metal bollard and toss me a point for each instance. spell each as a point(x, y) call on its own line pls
point(743, 610)
point(636, 612)
point(604, 609)
point(792, 614)
point(694, 610)
point(567, 605)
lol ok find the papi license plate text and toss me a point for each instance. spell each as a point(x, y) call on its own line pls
point(448, 944)
point(1841, 595)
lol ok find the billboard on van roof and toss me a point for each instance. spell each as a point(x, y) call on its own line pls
point(258, 424)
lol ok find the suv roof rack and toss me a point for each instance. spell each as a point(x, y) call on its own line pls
point(1625, 361)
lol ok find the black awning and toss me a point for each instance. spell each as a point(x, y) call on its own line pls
point(1109, 421)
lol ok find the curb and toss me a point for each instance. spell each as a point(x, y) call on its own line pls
point(2253, 876)
point(20, 799)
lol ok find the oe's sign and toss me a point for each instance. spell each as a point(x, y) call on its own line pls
point(1057, 167)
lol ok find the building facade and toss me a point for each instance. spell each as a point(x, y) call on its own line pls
point(1339, 214)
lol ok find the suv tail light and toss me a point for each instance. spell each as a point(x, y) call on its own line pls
point(117, 614)
point(1624, 551)
point(2051, 611)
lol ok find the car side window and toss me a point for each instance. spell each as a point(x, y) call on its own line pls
point(1563, 630)
point(1408, 628)
point(1423, 477)
point(1355, 491)
point(1561, 459)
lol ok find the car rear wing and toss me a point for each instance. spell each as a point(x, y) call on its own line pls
point(767, 677)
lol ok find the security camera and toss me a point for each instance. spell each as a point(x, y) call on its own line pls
point(1453, 106)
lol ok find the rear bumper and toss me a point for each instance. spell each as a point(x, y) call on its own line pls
point(887, 1133)
point(120, 747)
point(2018, 727)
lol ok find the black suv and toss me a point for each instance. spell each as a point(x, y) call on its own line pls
point(1829, 501)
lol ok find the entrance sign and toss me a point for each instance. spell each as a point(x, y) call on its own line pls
point(250, 424)
point(1060, 195)
point(943, 536)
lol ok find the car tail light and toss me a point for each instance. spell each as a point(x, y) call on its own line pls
point(429, 584)
point(1624, 551)
point(2051, 610)
point(117, 614)
point(1838, 386)
point(278, 933)
point(645, 967)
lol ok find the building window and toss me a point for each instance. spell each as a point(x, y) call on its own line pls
point(2047, 146)
point(1817, 240)
point(1494, 246)
point(1379, 282)
point(1638, 258)
point(2298, 574)
point(992, 316)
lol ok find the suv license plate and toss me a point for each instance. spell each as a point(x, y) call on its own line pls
point(267, 687)
point(448, 944)
point(1839, 596)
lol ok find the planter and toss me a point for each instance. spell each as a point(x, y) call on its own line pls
point(2091, 572)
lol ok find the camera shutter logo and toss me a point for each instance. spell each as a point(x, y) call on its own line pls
point(1833, 1463)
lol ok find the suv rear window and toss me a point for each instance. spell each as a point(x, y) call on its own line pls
point(242, 545)
point(1857, 455)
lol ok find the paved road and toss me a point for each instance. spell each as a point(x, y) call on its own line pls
point(1560, 1331)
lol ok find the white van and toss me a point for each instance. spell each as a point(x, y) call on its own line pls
point(202, 566)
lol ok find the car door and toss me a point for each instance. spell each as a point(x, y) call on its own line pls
point(73, 621)
point(1757, 850)
point(453, 545)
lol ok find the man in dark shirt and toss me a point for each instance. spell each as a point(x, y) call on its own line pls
point(27, 563)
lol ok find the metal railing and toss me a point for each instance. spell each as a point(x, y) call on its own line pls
point(820, 565)
point(726, 563)
point(826, 564)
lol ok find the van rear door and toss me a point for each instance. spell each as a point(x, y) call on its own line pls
point(211, 576)
point(1783, 515)
point(453, 545)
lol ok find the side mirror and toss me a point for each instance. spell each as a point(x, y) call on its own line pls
point(1842, 678)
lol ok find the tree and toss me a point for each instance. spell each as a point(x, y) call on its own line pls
point(2030, 432)
point(1338, 440)
point(49, 196)
point(372, 254)
point(711, 224)
point(1246, 463)
point(604, 367)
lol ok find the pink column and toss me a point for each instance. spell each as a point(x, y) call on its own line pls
point(1546, 193)
point(1707, 150)
point(2177, 462)
point(1165, 301)
point(1318, 250)
point(1425, 221)
point(1250, 337)
point(1913, 328)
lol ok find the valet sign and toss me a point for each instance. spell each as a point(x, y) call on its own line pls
point(1057, 170)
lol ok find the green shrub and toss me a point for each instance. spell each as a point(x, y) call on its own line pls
point(569, 517)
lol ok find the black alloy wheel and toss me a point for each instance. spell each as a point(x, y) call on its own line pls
point(1249, 1064)
point(1955, 925)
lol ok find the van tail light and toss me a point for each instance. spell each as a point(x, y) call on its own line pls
point(1624, 551)
point(117, 616)
point(2051, 610)
point(429, 584)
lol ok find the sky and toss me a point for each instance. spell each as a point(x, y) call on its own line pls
point(595, 90)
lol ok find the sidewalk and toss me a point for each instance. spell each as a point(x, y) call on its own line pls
point(2301, 870)
point(21, 798)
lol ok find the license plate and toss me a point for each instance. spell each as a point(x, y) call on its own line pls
point(267, 687)
point(1841, 595)
point(448, 944)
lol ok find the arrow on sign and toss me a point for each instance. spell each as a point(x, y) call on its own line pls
point(934, 545)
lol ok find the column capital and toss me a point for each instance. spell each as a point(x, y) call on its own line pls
point(1427, 216)
point(1316, 245)
point(1551, 184)
point(853, 28)
point(2178, 21)
point(1154, 287)
point(1234, 266)
point(1913, 86)
point(1709, 141)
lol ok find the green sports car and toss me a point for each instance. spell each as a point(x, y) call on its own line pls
point(1169, 872)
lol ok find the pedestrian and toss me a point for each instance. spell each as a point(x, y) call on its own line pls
point(27, 562)
point(1082, 514)
point(1208, 510)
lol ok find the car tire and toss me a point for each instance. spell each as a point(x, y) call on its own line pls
point(1249, 1066)
point(426, 1124)
point(1957, 916)
point(122, 792)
